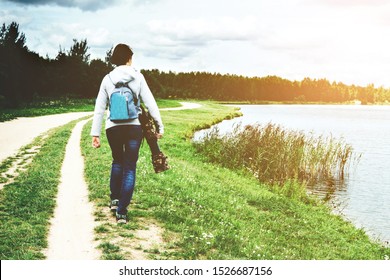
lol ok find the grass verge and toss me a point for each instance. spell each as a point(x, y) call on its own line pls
point(27, 204)
point(211, 212)
point(49, 107)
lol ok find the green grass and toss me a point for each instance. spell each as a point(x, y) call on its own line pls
point(27, 204)
point(168, 103)
point(48, 107)
point(211, 212)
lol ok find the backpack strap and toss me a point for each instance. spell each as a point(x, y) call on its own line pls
point(123, 84)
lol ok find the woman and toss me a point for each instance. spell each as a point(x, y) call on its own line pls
point(124, 137)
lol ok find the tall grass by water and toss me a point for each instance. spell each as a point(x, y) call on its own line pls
point(278, 156)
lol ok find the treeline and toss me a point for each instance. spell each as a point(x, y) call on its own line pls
point(25, 77)
point(215, 86)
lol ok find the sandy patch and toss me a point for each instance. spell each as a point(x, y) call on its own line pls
point(71, 233)
point(146, 240)
point(22, 160)
point(141, 239)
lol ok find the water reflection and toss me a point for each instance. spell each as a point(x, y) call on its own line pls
point(329, 189)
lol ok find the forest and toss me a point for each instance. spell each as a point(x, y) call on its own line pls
point(26, 77)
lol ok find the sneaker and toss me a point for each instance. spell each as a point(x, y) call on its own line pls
point(121, 219)
point(114, 204)
point(160, 162)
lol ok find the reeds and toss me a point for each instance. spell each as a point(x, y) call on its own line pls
point(275, 155)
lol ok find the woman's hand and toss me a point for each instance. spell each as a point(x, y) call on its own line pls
point(95, 141)
point(159, 135)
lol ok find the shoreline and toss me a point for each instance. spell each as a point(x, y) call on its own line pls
point(335, 209)
point(297, 103)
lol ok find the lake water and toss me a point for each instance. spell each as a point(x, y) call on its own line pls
point(364, 198)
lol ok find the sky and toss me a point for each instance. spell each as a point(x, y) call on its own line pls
point(341, 40)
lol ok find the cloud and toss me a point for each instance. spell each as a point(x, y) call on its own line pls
point(7, 17)
point(202, 31)
point(355, 2)
point(146, 2)
point(181, 38)
point(98, 38)
point(85, 5)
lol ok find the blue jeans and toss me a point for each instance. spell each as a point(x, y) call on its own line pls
point(125, 141)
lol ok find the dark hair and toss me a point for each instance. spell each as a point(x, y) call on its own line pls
point(121, 55)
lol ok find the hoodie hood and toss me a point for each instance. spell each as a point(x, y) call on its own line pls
point(123, 73)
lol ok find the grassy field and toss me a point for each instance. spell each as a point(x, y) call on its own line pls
point(204, 210)
point(211, 212)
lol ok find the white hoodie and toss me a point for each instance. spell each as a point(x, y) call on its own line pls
point(137, 84)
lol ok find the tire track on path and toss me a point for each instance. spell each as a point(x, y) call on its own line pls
point(71, 233)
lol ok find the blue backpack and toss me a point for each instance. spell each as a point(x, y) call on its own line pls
point(124, 104)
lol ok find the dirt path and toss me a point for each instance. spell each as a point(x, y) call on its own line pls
point(72, 228)
point(185, 106)
point(21, 131)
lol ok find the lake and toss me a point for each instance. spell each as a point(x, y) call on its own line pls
point(364, 197)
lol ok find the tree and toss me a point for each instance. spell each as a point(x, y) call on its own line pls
point(71, 70)
point(107, 59)
point(10, 37)
point(97, 70)
point(12, 53)
point(79, 50)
